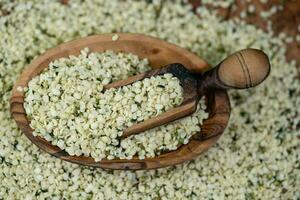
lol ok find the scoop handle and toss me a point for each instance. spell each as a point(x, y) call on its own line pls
point(243, 69)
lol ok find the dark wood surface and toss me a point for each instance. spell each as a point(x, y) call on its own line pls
point(285, 20)
point(159, 53)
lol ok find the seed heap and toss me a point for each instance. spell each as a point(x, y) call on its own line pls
point(66, 105)
point(256, 158)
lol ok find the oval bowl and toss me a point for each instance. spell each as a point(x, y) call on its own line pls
point(159, 53)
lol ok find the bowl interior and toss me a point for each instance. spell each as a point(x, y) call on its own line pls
point(159, 53)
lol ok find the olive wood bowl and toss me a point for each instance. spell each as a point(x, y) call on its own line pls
point(159, 53)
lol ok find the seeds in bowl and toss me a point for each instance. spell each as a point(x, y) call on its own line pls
point(68, 106)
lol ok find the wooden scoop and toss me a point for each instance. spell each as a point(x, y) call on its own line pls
point(243, 69)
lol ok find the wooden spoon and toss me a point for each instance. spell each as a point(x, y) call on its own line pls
point(159, 53)
point(243, 69)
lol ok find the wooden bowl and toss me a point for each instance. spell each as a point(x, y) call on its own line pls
point(159, 53)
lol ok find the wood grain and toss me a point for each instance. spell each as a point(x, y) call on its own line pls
point(159, 53)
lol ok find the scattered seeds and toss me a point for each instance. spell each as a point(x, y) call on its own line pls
point(115, 37)
point(256, 158)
